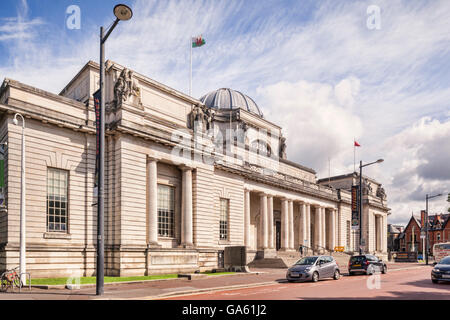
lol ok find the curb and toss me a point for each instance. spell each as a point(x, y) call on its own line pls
point(92, 285)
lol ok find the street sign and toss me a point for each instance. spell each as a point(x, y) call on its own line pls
point(422, 236)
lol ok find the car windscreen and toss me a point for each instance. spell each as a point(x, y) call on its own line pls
point(445, 260)
point(358, 259)
point(307, 261)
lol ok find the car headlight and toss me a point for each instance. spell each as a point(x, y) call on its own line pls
point(307, 269)
point(436, 269)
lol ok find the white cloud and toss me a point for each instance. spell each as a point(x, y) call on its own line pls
point(418, 164)
point(316, 126)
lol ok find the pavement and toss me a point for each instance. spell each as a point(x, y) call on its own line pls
point(160, 289)
point(412, 283)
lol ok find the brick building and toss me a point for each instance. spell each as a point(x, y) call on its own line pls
point(438, 232)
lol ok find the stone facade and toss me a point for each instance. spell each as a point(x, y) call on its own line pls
point(174, 197)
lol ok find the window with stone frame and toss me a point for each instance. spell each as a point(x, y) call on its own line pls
point(57, 200)
point(166, 211)
point(224, 216)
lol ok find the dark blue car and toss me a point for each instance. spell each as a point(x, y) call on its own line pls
point(441, 270)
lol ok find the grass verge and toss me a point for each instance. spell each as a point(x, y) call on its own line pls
point(92, 280)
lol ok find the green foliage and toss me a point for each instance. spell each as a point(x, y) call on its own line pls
point(92, 280)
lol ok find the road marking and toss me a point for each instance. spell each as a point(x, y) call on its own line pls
point(261, 284)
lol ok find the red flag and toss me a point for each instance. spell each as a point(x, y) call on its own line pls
point(357, 144)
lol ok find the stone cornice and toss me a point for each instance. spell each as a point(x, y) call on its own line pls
point(284, 184)
point(24, 87)
point(31, 111)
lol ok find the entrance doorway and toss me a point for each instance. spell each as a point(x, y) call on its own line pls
point(278, 234)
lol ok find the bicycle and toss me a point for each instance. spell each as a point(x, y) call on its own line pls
point(10, 279)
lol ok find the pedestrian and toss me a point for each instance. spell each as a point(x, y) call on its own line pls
point(300, 249)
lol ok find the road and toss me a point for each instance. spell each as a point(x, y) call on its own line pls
point(412, 283)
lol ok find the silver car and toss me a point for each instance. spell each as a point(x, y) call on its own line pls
point(313, 268)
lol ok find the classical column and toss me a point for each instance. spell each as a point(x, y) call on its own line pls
point(152, 201)
point(284, 224)
point(324, 228)
point(265, 227)
point(379, 234)
point(333, 230)
point(318, 227)
point(186, 220)
point(302, 225)
point(308, 225)
point(247, 218)
point(291, 224)
point(338, 230)
point(270, 221)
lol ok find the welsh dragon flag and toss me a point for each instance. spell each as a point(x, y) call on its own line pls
point(198, 42)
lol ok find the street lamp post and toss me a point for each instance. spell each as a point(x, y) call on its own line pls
point(361, 200)
point(122, 12)
point(22, 256)
point(427, 243)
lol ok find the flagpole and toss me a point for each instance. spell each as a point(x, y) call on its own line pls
point(329, 170)
point(354, 155)
point(190, 68)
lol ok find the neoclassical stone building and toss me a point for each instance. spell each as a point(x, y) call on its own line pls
point(184, 179)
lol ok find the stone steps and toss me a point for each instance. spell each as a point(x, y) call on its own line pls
point(271, 263)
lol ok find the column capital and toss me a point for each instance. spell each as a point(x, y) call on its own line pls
point(153, 158)
point(263, 194)
point(185, 167)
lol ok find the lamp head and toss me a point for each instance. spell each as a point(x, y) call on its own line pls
point(123, 12)
point(15, 121)
point(380, 160)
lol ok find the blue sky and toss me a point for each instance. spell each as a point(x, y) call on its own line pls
point(313, 67)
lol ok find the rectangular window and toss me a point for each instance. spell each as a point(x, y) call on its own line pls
point(224, 213)
point(166, 211)
point(57, 202)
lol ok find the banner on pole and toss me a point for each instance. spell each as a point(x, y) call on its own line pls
point(2, 176)
point(355, 207)
point(97, 97)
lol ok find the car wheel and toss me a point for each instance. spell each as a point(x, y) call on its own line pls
point(434, 281)
point(351, 273)
point(315, 277)
point(384, 271)
point(337, 275)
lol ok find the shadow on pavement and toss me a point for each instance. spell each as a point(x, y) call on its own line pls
point(428, 284)
point(395, 295)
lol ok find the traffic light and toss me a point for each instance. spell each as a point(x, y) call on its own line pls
point(448, 199)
